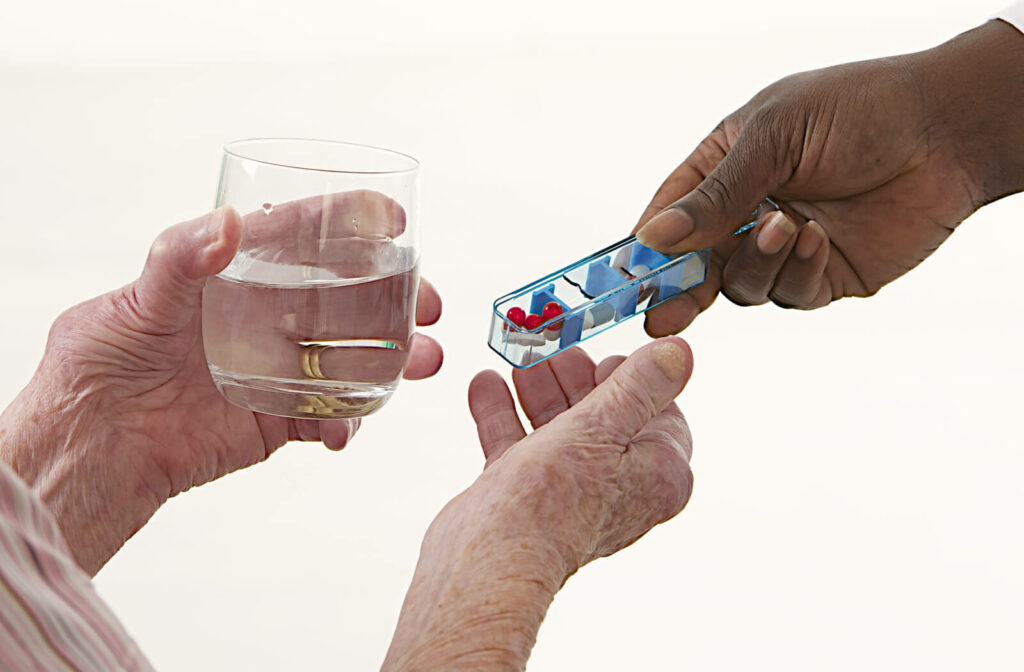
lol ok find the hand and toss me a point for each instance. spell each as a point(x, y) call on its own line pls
point(609, 460)
point(874, 163)
point(122, 413)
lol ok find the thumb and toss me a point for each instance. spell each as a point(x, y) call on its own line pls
point(182, 258)
point(638, 389)
point(724, 200)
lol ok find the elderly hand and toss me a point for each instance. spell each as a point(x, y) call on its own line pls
point(122, 413)
point(876, 163)
point(608, 461)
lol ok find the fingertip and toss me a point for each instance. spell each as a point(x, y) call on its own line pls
point(231, 225)
point(223, 228)
point(673, 357)
point(425, 358)
point(484, 380)
point(336, 434)
point(811, 239)
point(486, 386)
point(649, 212)
point(428, 304)
point(666, 230)
point(774, 234)
point(671, 317)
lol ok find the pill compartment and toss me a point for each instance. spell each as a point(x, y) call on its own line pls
point(593, 294)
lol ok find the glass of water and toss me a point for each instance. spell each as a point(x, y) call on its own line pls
point(314, 316)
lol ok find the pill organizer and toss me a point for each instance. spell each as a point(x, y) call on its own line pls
point(593, 294)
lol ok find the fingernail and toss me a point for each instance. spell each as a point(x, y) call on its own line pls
point(810, 240)
point(214, 226)
point(215, 220)
point(670, 358)
point(665, 229)
point(776, 232)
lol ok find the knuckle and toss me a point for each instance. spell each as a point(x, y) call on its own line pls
point(161, 246)
point(789, 298)
point(60, 328)
point(589, 424)
point(673, 491)
point(69, 324)
point(777, 130)
point(742, 294)
point(629, 389)
point(713, 192)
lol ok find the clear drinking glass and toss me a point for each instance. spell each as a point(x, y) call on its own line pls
point(314, 316)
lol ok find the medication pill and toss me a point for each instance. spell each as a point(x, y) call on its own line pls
point(598, 315)
point(530, 340)
point(640, 270)
point(516, 316)
point(621, 261)
point(551, 309)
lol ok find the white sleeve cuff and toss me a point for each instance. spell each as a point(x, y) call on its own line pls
point(1014, 15)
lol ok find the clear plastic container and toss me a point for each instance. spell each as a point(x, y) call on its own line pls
point(594, 294)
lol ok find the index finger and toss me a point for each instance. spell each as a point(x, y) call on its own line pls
point(428, 304)
point(361, 213)
point(348, 234)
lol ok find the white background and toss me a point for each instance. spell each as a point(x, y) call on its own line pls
point(858, 495)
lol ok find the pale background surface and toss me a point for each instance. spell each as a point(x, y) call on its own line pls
point(858, 469)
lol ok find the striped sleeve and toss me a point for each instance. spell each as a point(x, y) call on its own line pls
point(1013, 15)
point(50, 616)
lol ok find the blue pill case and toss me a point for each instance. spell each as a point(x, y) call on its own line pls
point(595, 294)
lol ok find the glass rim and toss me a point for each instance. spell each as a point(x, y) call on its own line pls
point(230, 150)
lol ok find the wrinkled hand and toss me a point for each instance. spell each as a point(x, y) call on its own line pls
point(875, 164)
point(608, 461)
point(122, 413)
point(609, 458)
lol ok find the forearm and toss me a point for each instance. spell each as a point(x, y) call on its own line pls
point(973, 87)
point(477, 598)
point(85, 481)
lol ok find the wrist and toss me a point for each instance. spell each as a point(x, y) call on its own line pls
point(55, 440)
point(973, 88)
point(479, 594)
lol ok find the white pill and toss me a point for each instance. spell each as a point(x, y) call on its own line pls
point(621, 260)
point(530, 339)
point(598, 315)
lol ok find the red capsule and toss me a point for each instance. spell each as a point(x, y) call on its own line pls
point(551, 309)
point(533, 321)
point(516, 316)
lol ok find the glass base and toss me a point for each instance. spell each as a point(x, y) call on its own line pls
point(319, 400)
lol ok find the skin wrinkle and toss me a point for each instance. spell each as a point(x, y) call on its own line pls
point(716, 193)
point(557, 499)
point(57, 478)
point(473, 560)
point(628, 390)
point(912, 76)
point(128, 298)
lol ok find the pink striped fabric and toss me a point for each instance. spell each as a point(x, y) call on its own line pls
point(50, 616)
